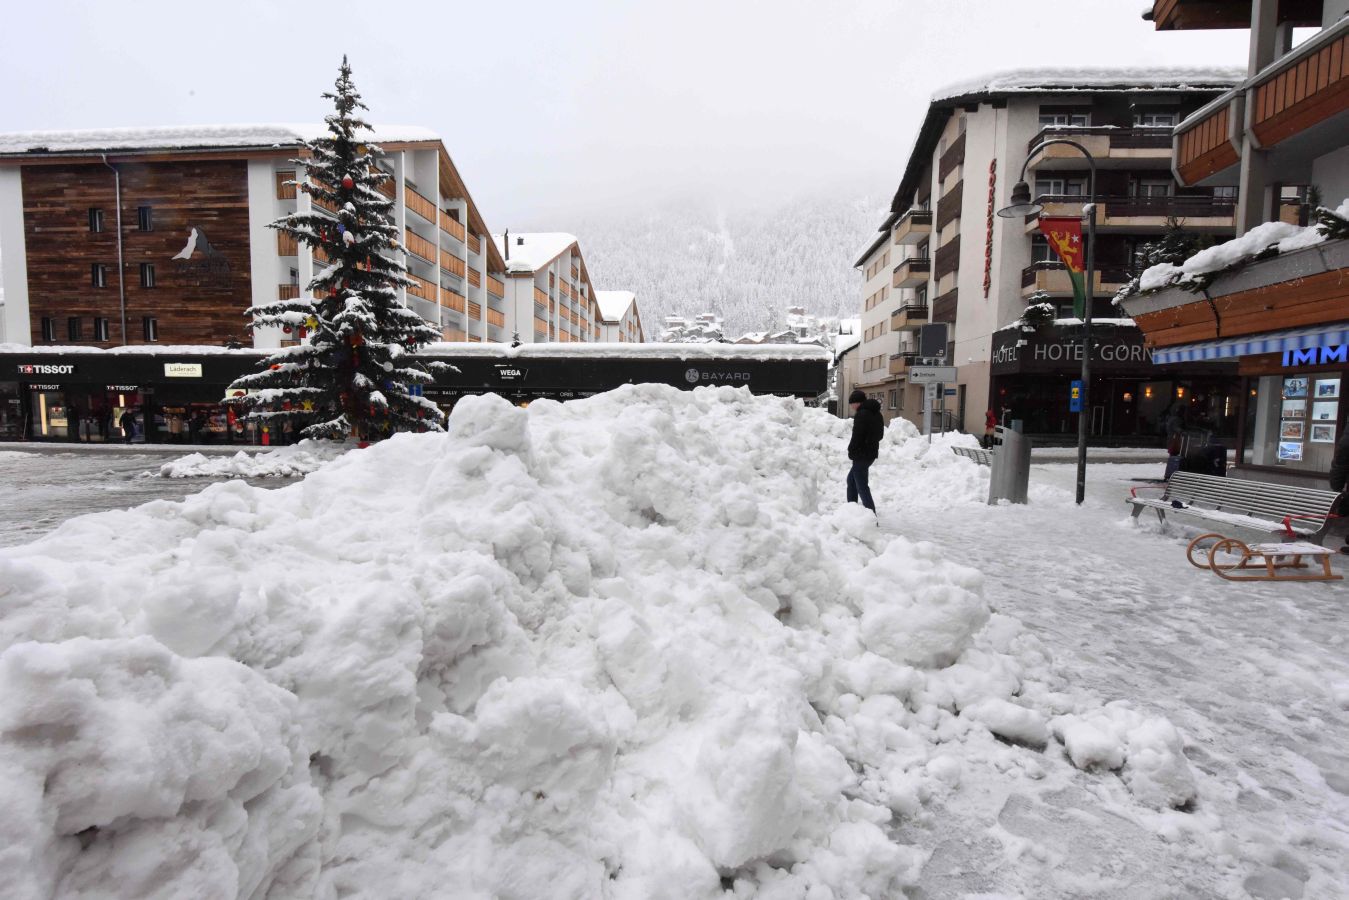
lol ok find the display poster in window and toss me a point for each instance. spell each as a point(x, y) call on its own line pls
point(1323, 434)
point(1290, 451)
point(1294, 388)
point(1325, 410)
point(1292, 430)
point(56, 416)
point(1327, 387)
point(1294, 409)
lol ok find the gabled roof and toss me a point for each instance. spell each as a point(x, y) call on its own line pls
point(530, 252)
point(614, 305)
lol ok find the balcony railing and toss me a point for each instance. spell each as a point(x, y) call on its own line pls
point(900, 362)
point(451, 299)
point(1103, 138)
point(474, 277)
point(908, 317)
point(1303, 88)
point(912, 271)
point(420, 287)
point(474, 311)
point(474, 244)
point(1125, 207)
point(287, 291)
point(419, 204)
point(386, 184)
point(495, 286)
point(1052, 276)
point(419, 246)
point(286, 245)
point(913, 226)
point(450, 226)
point(452, 264)
point(496, 318)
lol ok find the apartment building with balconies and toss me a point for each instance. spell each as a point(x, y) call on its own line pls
point(549, 295)
point(1282, 319)
point(955, 261)
point(620, 320)
point(159, 235)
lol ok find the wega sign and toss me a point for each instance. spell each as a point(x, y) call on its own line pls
point(45, 369)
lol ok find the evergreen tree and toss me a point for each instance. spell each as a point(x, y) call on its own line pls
point(352, 377)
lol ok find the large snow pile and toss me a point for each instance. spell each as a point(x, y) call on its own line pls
point(631, 647)
point(293, 461)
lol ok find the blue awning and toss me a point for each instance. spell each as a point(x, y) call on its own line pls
point(1252, 345)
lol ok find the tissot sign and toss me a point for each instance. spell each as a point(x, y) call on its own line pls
point(1060, 350)
point(45, 369)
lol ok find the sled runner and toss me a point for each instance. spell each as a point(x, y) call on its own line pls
point(1231, 559)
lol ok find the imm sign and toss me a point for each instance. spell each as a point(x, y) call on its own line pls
point(1316, 356)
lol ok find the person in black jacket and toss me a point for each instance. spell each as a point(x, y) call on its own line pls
point(1339, 478)
point(868, 426)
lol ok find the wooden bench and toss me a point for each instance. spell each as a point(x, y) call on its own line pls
point(1293, 513)
point(978, 454)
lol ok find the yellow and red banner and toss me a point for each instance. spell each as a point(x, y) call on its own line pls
point(1064, 234)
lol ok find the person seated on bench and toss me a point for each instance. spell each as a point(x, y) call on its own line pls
point(1339, 478)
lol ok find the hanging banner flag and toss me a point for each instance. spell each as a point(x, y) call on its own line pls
point(1065, 236)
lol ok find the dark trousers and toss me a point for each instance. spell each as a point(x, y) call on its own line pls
point(857, 484)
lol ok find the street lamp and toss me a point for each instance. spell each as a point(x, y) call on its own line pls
point(1022, 205)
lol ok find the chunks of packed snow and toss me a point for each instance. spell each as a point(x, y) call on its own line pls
point(631, 646)
point(291, 461)
point(1146, 748)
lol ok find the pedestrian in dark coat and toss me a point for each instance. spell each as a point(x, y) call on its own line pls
point(868, 427)
point(1339, 478)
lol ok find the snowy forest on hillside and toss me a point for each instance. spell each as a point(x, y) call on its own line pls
point(748, 266)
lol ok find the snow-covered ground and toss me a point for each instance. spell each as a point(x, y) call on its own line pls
point(635, 647)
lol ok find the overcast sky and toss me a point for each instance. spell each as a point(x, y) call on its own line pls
point(586, 105)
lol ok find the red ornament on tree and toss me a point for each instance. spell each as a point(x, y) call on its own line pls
point(347, 182)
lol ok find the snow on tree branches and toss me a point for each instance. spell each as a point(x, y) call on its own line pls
point(351, 374)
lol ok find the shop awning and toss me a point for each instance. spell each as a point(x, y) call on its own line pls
point(1252, 345)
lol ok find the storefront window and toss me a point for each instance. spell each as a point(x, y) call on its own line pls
point(11, 412)
point(1297, 421)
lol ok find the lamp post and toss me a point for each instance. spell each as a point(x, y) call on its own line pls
point(1022, 205)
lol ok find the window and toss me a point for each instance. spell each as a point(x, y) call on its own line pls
point(1040, 251)
point(894, 398)
point(920, 296)
point(49, 329)
point(1225, 193)
point(1157, 188)
point(1059, 186)
point(101, 331)
point(1154, 120)
point(150, 328)
point(74, 329)
point(147, 275)
point(95, 219)
point(1063, 118)
point(145, 218)
point(98, 275)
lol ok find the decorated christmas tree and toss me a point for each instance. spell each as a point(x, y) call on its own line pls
point(350, 375)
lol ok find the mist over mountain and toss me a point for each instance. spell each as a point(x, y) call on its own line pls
point(748, 265)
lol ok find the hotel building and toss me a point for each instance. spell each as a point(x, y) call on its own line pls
point(943, 255)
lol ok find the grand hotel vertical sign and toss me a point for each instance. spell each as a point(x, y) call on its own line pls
point(988, 239)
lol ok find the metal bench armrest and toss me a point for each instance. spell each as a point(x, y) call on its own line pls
point(1287, 521)
point(1133, 491)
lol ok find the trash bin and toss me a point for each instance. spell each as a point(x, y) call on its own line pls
point(1010, 477)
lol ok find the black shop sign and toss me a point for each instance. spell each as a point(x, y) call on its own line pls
point(1114, 349)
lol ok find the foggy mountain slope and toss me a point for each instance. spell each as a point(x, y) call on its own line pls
point(746, 266)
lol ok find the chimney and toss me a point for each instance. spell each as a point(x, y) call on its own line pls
point(507, 242)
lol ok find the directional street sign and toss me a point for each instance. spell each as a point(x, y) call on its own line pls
point(932, 374)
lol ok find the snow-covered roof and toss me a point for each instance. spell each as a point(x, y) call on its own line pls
point(531, 252)
point(136, 350)
point(182, 137)
point(1096, 78)
point(614, 304)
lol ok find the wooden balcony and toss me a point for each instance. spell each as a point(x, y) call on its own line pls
point(1204, 143)
point(420, 287)
point(909, 317)
point(540, 295)
point(287, 291)
point(496, 318)
point(453, 335)
point(386, 185)
point(451, 227)
point(286, 245)
point(912, 272)
point(1052, 278)
point(575, 274)
point(474, 245)
point(495, 287)
point(1111, 147)
point(420, 205)
point(1187, 15)
point(474, 277)
point(900, 362)
point(285, 191)
point(913, 226)
point(540, 325)
point(1306, 88)
point(474, 311)
point(420, 246)
point(452, 264)
point(452, 300)
point(1142, 213)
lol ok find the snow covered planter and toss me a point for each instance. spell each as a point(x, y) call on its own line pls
point(633, 647)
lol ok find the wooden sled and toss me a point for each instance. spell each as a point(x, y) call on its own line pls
point(1268, 562)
